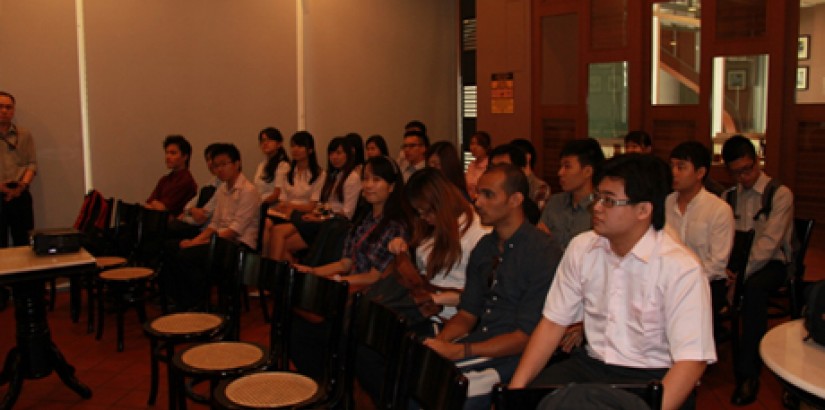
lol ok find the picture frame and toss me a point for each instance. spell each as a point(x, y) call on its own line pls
point(737, 79)
point(803, 48)
point(802, 74)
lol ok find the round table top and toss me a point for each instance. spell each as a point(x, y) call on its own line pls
point(797, 361)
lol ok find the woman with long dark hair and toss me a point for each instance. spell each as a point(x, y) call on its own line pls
point(376, 146)
point(443, 156)
point(480, 146)
point(339, 197)
point(275, 166)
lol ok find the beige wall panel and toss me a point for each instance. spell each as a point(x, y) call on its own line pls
point(211, 70)
point(39, 66)
point(373, 65)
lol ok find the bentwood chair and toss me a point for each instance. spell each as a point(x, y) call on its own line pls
point(327, 300)
point(429, 380)
point(638, 395)
point(793, 288)
point(166, 332)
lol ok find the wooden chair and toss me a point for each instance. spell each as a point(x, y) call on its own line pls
point(326, 299)
point(793, 288)
point(429, 380)
point(529, 398)
point(166, 332)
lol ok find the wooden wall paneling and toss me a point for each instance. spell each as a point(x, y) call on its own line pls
point(555, 133)
point(740, 18)
point(608, 24)
point(668, 133)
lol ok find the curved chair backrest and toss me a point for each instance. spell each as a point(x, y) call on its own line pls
point(803, 228)
point(430, 380)
point(651, 393)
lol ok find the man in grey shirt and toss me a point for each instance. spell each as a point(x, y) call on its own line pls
point(567, 213)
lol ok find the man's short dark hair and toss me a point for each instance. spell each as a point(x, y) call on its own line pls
point(587, 150)
point(646, 179)
point(227, 149)
point(416, 125)
point(738, 146)
point(420, 135)
point(695, 152)
point(639, 137)
point(8, 94)
point(527, 147)
point(208, 152)
point(516, 154)
point(183, 145)
point(516, 181)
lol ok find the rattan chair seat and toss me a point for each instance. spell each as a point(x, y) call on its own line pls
point(186, 322)
point(106, 262)
point(271, 389)
point(222, 355)
point(126, 274)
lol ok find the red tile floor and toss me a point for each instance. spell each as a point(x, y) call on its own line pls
point(121, 380)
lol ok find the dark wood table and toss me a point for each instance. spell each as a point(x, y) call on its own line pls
point(35, 355)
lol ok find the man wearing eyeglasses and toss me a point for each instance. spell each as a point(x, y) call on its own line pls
point(643, 297)
point(18, 166)
point(508, 274)
point(769, 253)
point(415, 145)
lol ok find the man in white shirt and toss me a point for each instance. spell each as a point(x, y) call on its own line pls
point(642, 295)
point(700, 219)
point(414, 148)
point(768, 257)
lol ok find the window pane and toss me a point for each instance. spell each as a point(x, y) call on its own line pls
point(676, 51)
point(607, 101)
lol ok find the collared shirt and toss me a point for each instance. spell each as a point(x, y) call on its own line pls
point(474, 171)
point(411, 168)
point(209, 206)
point(17, 154)
point(505, 290)
point(566, 219)
point(351, 193)
point(455, 278)
point(647, 309)
point(266, 188)
point(367, 254)
point(174, 190)
point(706, 228)
point(772, 239)
point(238, 209)
point(301, 191)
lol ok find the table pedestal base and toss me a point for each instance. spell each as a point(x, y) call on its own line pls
point(35, 355)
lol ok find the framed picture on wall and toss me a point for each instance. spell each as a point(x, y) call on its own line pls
point(803, 49)
point(802, 78)
point(737, 79)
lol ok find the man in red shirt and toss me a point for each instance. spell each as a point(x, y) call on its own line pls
point(176, 188)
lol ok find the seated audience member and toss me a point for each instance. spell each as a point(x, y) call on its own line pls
point(300, 189)
point(567, 213)
point(700, 219)
point(176, 188)
point(376, 146)
point(365, 254)
point(415, 145)
point(444, 157)
point(339, 195)
point(511, 154)
point(356, 146)
point(539, 190)
point(413, 125)
point(273, 168)
point(480, 148)
point(638, 142)
point(508, 274)
point(763, 205)
point(642, 296)
point(235, 218)
point(196, 213)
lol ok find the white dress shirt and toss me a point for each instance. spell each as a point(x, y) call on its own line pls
point(351, 193)
point(238, 209)
point(301, 191)
point(647, 309)
point(266, 188)
point(706, 228)
point(772, 239)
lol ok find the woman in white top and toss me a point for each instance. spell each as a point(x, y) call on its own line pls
point(480, 147)
point(300, 188)
point(339, 196)
point(274, 167)
point(443, 237)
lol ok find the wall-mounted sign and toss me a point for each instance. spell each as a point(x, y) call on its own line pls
point(501, 93)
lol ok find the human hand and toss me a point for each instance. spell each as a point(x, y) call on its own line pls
point(573, 337)
point(199, 215)
point(452, 351)
point(303, 268)
point(397, 245)
point(312, 217)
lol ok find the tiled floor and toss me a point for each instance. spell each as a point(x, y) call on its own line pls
point(121, 380)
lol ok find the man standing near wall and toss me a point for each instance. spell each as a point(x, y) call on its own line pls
point(17, 169)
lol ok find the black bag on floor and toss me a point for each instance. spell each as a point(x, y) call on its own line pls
point(814, 313)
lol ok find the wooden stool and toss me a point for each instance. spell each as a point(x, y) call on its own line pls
point(167, 331)
point(103, 263)
point(121, 282)
point(267, 390)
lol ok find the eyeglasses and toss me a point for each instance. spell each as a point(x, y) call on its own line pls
point(738, 172)
point(607, 201)
point(412, 145)
point(221, 164)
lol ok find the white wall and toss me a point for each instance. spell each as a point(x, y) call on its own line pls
point(215, 70)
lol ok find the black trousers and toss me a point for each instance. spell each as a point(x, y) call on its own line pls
point(754, 317)
point(17, 219)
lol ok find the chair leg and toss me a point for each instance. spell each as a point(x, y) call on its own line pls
point(245, 295)
point(100, 308)
point(264, 305)
point(120, 307)
point(90, 295)
point(153, 370)
point(171, 376)
point(52, 293)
